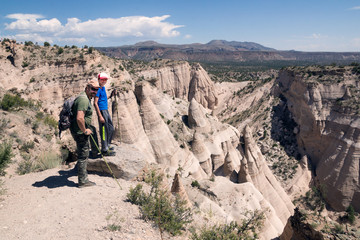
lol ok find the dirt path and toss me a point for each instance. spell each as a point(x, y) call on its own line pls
point(48, 205)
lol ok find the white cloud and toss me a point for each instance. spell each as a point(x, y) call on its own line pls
point(355, 8)
point(101, 29)
point(188, 36)
point(316, 36)
point(22, 16)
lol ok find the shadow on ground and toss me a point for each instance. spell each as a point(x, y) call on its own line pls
point(61, 180)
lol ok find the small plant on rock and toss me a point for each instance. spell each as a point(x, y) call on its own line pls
point(159, 206)
point(5, 156)
point(246, 230)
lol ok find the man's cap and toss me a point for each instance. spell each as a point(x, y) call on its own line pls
point(103, 76)
point(94, 83)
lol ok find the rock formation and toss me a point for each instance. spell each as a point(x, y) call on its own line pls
point(298, 229)
point(178, 188)
point(264, 180)
point(329, 129)
point(202, 88)
point(185, 82)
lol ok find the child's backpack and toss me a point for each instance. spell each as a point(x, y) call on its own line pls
point(66, 115)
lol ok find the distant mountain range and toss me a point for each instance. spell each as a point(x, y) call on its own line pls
point(222, 51)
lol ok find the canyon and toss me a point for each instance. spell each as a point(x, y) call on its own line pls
point(252, 145)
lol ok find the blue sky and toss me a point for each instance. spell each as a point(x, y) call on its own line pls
point(303, 25)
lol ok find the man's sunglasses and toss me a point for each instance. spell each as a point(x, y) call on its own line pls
point(94, 89)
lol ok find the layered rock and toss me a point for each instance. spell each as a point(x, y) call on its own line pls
point(185, 82)
point(202, 153)
point(166, 150)
point(178, 188)
point(329, 129)
point(129, 125)
point(197, 117)
point(264, 180)
point(202, 89)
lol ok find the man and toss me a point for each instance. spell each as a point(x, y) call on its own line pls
point(105, 123)
point(81, 129)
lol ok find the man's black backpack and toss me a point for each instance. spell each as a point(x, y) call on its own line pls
point(66, 115)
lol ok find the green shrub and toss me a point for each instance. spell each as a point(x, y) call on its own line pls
point(48, 160)
point(136, 195)
point(24, 64)
point(4, 124)
point(350, 214)
point(158, 206)
point(11, 102)
point(233, 231)
point(46, 44)
point(29, 43)
point(27, 146)
point(5, 156)
point(26, 166)
point(60, 50)
point(338, 229)
point(50, 121)
point(39, 115)
point(195, 184)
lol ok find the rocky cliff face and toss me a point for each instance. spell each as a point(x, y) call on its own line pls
point(323, 102)
point(185, 82)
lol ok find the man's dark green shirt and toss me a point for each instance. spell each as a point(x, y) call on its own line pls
point(81, 103)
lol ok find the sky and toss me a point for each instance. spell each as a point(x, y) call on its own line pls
point(301, 25)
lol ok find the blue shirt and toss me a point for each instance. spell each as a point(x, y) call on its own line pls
point(102, 102)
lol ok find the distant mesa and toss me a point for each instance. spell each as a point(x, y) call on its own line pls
point(220, 51)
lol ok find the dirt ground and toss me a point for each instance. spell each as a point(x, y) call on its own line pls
point(49, 205)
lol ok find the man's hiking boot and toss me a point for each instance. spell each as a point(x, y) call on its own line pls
point(109, 153)
point(87, 184)
point(111, 148)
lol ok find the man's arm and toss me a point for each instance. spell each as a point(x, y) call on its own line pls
point(97, 109)
point(80, 119)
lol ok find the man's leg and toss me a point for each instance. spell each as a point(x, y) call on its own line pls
point(82, 143)
point(94, 143)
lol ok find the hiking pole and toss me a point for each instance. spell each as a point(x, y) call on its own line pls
point(113, 175)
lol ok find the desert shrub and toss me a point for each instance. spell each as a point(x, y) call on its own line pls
point(46, 44)
point(246, 230)
point(60, 50)
point(195, 184)
point(5, 156)
point(35, 126)
point(136, 195)
point(12, 102)
point(169, 214)
point(338, 229)
point(39, 115)
point(27, 146)
point(29, 43)
point(51, 121)
point(114, 221)
point(4, 124)
point(48, 160)
point(26, 166)
point(350, 214)
point(25, 64)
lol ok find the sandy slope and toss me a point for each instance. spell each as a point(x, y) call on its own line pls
point(48, 205)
